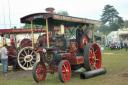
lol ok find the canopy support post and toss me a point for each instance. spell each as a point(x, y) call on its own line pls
point(32, 34)
point(47, 33)
point(93, 34)
point(5, 39)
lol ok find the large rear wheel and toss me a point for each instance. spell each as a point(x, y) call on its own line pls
point(92, 57)
point(38, 71)
point(64, 71)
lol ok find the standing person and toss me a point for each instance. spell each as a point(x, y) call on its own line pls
point(12, 41)
point(0, 58)
point(14, 59)
point(119, 46)
point(126, 46)
point(88, 32)
point(79, 34)
point(121, 42)
point(4, 54)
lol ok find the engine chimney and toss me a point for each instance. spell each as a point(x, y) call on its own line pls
point(50, 9)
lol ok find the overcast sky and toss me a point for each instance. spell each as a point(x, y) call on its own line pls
point(91, 9)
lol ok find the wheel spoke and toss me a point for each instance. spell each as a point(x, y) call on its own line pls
point(34, 55)
point(95, 55)
point(24, 63)
point(93, 65)
point(25, 52)
point(30, 64)
point(28, 52)
point(21, 58)
point(22, 55)
point(64, 76)
point(63, 71)
point(97, 59)
point(95, 51)
point(64, 66)
point(31, 52)
point(27, 64)
point(33, 62)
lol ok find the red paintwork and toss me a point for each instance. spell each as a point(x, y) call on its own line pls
point(43, 39)
point(84, 41)
point(74, 46)
point(25, 42)
point(10, 59)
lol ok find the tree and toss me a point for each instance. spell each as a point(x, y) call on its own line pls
point(126, 24)
point(111, 16)
point(62, 13)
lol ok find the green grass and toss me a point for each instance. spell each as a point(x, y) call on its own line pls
point(116, 66)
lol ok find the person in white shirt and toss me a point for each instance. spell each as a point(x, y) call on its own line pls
point(4, 54)
point(88, 32)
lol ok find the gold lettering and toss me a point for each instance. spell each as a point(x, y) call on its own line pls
point(83, 20)
point(87, 21)
point(77, 19)
point(57, 17)
point(66, 18)
point(91, 21)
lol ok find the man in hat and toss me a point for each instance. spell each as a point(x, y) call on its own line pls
point(79, 34)
point(88, 32)
point(4, 54)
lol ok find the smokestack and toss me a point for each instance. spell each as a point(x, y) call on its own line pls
point(50, 9)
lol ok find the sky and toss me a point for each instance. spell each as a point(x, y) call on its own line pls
point(90, 9)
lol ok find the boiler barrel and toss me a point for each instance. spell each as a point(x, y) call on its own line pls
point(93, 73)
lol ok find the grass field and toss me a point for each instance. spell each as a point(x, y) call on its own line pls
point(117, 73)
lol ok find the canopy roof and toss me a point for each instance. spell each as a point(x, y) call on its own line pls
point(39, 18)
point(28, 30)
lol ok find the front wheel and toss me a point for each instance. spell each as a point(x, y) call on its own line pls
point(38, 71)
point(64, 71)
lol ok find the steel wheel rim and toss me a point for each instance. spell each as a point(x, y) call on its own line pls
point(66, 71)
point(40, 75)
point(95, 57)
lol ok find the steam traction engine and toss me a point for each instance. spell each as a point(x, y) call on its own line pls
point(67, 56)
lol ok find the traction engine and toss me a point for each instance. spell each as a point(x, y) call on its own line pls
point(66, 56)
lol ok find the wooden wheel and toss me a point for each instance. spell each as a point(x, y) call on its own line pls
point(92, 57)
point(38, 73)
point(64, 71)
point(27, 57)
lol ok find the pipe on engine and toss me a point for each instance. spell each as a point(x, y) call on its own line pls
point(89, 74)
